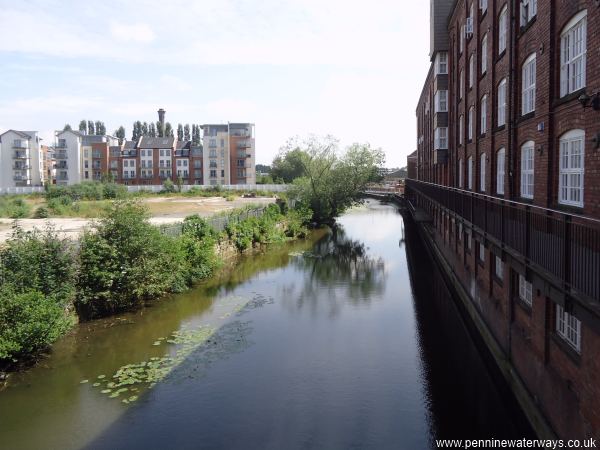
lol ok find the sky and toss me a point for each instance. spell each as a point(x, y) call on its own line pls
point(353, 70)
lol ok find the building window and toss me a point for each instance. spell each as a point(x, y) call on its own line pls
point(525, 290)
point(484, 54)
point(482, 173)
point(499, 268)
point(470, 172)
point(471, 70)
point(461, 85)
point(483, 5)
point(470, 124)
point(441, 101)
point(469, 240)
point(461, 122)
point(568, 327)
point(528, 11)
point(502, 103)
point(441, 138)
point(527, 166)
point(500, 171)
point(502, 29)
point(570, 178)
point(528, 74)
point(483, 114)
point(481, 252)
point(460, 173)
point(462, 39)
point(441, 63)
point(573, 50)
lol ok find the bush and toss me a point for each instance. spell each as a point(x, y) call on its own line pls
point(168, 186)
point(198, 228)
point(263, 229)
point(41, 213)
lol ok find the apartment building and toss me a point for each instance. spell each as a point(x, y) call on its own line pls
point(507, 169)
point(21, 160)
point(229, 156)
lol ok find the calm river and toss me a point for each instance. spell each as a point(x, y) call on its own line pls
point(346, 341)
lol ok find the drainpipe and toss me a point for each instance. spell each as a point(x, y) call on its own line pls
point(513, 91)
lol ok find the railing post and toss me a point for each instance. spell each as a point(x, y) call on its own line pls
point(485, 215)
point(567, 250)
point(502, 218)
point(527, 232)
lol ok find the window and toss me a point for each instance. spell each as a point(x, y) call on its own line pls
point(481, 252)
point(483, 6)
point(500, 171)
point(470, 172)
point(461, 85)
point(528, 75)
point(470, 124)
point(499, 268)
point(525, 290)
point(483, 114)
point(471, 70)
point(484, 54)
point(441, 63)
point(502, 30)
point(460, 173)
point(161, 152)
point(441, 101)
point(570, 180)
point(568, 327)
point(461, 122)
point(482, 172)
point(502, 103)
point(469, 242)
point(573, 54)
point(527, 165)
point(528, 11)
point(462, 38)
point(441, 138)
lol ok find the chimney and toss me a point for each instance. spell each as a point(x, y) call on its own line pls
point(161, 119)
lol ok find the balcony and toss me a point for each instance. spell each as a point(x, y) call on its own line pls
point(21, 167)
point(96, 155)
point(61, 165)
point(21, 178)
point(21, 144)
point(21, 155)
point(440, 156)
point(563, 248)
point(146, 176)
point(164, 176)
point(244, 144)
point(61, 155)
point(61, 144)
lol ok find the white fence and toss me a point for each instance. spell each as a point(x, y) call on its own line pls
point(159, 187)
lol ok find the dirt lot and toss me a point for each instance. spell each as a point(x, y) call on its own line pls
point(163, 210)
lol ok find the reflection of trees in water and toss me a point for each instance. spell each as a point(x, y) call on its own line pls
point(337, 271)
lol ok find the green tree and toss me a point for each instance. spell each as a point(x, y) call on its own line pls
point(67, 127)
point(83, 126)
point(186, 132)
point(145, 129)
point(160, 132)
point(179, 132)
point(168, 130)
point(100, 128)
point(90, 127)
point(287, 165)
point(120, 133)
point(332, 183)
point(152, 130)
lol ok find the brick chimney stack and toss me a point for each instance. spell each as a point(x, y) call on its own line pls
point(161, 119)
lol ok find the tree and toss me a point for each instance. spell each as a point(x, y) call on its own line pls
point(120, 133)
point(100, 128)
point(331, 183)
point(90, 127)
point(287, 165)
point(67, 127)
point(136, 132)
point(263, 168)
point(179, 132)
point(83, 126)
point(159, 129)
point(196, 137)
point(168, 130)
point(152, 130)
point(186, 132)
point(145, 129)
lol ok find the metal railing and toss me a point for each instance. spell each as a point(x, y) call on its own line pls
point(566, 246)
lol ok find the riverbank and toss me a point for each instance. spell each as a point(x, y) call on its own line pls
point(48, 282)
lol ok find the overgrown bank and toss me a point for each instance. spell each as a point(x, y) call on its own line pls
point(48, 283)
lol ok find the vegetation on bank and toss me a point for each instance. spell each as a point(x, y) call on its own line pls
point(123, 262)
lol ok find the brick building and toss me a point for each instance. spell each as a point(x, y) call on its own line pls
point(508, 166)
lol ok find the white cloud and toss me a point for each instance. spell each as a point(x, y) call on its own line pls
point(131, 32)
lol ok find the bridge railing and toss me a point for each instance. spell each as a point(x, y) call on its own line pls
point(567, 246)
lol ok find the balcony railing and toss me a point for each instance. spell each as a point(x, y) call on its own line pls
point(565, 246)
point(21, 167)
point(20, 155)
point(21, 178)
point(61, 155)
point(21, 144)
point(61, 165)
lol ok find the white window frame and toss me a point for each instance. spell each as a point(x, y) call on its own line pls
point(502, 102)
point(441, 101)
point(461, 87)
point(441, 63)
point(470, 173)
point(573, 51)
point(528, 75)
point(499, 268)
point(471, 70)
point(441, 138)
point(527, 169)
point(460, 174)
point(500, 170)
point(462, 39)
point(528, 11)
point(525, 291)
point(483, 4)
point(571, 168)
point(461, 122)
point(568, 327)
point(483, 115)
point(482, 164)
point(502, 29)
point(470, 123)
point(481, 252)
point(484, 54)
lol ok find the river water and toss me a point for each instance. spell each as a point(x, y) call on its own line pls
point(349, 340)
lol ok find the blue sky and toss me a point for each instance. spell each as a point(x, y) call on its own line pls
point(350, 69)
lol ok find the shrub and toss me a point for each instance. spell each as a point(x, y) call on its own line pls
point(198, 228)
point(230, 198)
point(41, 213)
point(168, 186)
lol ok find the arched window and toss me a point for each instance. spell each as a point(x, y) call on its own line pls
point(460, 173)
point(571, 168)
point(484, 54)
point(482, 172)
point(470, 125)
point(573, 48)
point(461, 122)
point(471, 70)
point(500, 168)
point(528, 84)
point(527, 166)
point(502, 29)
point(502, 102)
point(483, 113)
point(470, 173)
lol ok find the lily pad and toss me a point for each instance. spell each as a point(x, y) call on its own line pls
point(83, 381)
